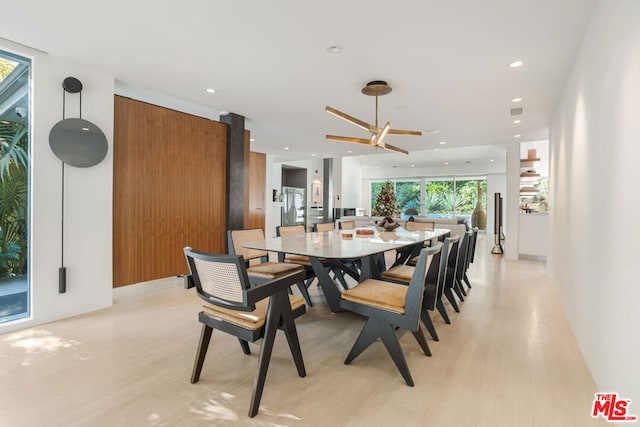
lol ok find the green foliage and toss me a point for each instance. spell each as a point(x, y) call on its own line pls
point(13, 199)
point(386, 203)
point(408, 195)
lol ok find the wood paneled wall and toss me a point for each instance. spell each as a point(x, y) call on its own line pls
point(168, 190)
point(255, 217)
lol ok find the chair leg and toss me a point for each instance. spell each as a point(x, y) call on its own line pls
point(271, 325)
point(452, 300)
point(443, 312)
point(419, 336)
point(289, 327)
point(456, 289)
point(305, 293)
point(466, 280)
point(245, 346)
point(426, 319)
point(368, 335)
point(390, 341)
point(203, 345)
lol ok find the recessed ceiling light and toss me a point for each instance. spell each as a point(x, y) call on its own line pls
point(286, 148)
point(517, 121)
point(446, 163)
point(516, 64)
point(413, 166)
point(377, 167)
point(334, 49)
point(517, 135)
point(443, 142)
point(491, 160)
point(252, 139)
point(211, 90)
point(516, 100)
point(349, 151)
point(313, 155)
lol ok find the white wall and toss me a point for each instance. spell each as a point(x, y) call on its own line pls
point(594, 235)
point(511, 203)
point(351, 196)
point(88, 196)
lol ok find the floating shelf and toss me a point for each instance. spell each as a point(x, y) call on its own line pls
point(529, 163)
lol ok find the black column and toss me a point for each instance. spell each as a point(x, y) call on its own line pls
point(235, 170)
point(327, 190)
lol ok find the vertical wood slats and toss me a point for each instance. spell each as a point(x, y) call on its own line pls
point(169, 190)
point(257, 180)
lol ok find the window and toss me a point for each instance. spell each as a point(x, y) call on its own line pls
point(442, 196)
point(14, 186)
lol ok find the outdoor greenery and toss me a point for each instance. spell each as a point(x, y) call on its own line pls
point(441, 197)
point(13, 198)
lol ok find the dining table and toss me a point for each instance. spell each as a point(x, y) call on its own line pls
point(332, 248)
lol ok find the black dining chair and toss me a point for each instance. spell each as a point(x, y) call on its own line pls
point(244, 311)
point(389, 306)
point(265, 269)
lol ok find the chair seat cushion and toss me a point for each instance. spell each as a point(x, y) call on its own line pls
point(380, 294)
point(251, 320)
point(401, 273)
point(273, 270)
point(298, 259)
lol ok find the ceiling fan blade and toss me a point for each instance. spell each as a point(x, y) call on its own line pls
point(404, 132)
point(344, 116)
point(393, 148)
point(349, 139)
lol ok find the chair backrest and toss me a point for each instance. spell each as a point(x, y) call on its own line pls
point(289, 230)
point(472, 246)
point(237, 238)
point(220, 280)
point(347, 225)
point(415, 293)
point(328, 226)
point(437, 268)
point(452, 260)
point(463, 253)
point(415, 226)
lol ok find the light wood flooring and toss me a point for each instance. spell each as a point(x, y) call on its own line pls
point(508, 359)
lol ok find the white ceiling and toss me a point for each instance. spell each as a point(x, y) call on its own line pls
point(447, 61)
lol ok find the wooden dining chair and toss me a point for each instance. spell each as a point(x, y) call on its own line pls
point(244, 311)
point(346, 225)
point(389, 306)
point(437, 266)
point(416, 226)
point(322, 227)
point(264, 270)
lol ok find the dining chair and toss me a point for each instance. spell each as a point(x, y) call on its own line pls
point(461, 267)
point(415, 226)
point(437, 266)
point(322, 227)
point(450, 277)
point(389, 306)
point(265, 270)
point(247, 312)
point(470, 255)
point(346, 225)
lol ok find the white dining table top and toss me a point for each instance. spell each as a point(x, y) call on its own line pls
point(336, 244)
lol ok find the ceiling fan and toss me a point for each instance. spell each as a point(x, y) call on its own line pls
point(375, 88)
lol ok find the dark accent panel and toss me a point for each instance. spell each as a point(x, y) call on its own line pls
point(235, 170)
point(294, 178)
point(327, 188)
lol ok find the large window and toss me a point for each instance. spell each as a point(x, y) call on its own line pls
point(463, 196)
point(14, 186)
